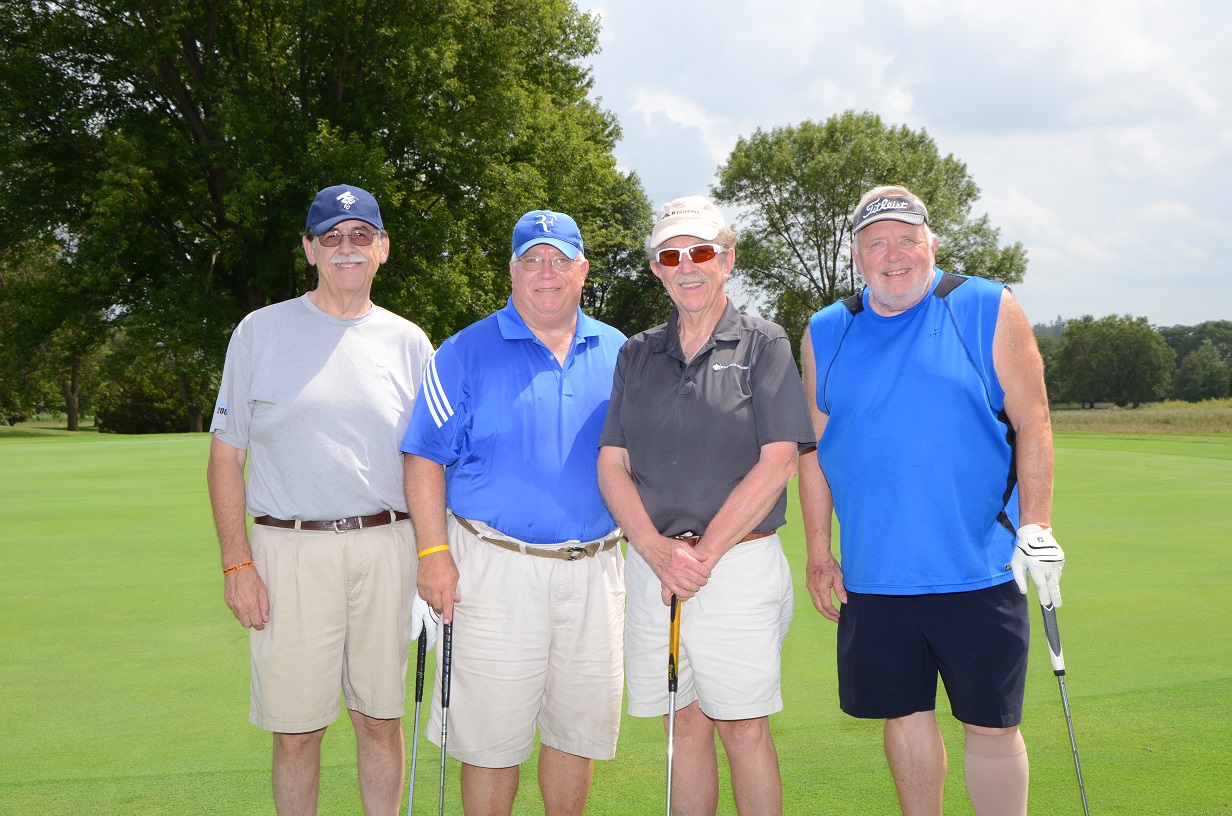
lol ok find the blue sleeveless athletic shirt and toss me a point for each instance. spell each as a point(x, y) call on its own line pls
point(917, 450)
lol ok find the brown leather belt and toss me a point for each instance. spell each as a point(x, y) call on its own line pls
point(564, 553)
point(341, 525)
point(692, 540)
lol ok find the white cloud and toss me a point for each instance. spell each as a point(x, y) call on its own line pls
point(718, 133)
point(1094, 130)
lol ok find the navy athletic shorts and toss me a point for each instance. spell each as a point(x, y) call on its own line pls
point(892, 647)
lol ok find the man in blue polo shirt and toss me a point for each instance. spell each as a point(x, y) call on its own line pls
point(526, 562)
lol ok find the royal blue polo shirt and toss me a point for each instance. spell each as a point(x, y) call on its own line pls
point(518, 433)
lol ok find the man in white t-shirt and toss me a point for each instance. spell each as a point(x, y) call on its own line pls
point(316, 393)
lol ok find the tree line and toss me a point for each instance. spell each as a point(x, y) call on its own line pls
point(1126, 361)
point(159, 159)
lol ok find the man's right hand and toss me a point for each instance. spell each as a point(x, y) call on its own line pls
point(438, 582)
point(245, 594)
point(824, 577)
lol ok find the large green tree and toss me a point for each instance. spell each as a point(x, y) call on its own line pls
point(1187, 339)
point(54, 327)
point(1202, 375)
point(796, 186)
point(1118, 359)
point(175, 147)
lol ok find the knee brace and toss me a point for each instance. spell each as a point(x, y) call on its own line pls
point(997, 775)
point(995, 746)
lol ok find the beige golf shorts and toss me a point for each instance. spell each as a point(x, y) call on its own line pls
point(340, 608)
point(536, 642)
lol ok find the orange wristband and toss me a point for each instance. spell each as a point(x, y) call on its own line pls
point(237, 567)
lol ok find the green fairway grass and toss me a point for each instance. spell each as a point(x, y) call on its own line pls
point(125, 677)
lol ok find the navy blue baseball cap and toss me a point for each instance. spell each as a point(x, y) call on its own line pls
point(547, 227)
point(339, 203)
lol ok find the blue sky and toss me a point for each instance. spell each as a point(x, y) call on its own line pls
point(1099, 132)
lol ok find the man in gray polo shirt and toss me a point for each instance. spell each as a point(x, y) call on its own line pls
point(315, 394)
point(706, 417)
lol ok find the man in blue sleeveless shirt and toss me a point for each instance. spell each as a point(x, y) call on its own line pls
point(526, 565)
point(935, 453)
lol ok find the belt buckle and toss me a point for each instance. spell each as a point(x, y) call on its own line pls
point(574, 552)
point(343, 525)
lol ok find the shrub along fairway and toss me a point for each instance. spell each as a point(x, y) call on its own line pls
point(125, 678)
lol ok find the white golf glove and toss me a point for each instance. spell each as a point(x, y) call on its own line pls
point(1037, 552)
point(423, 620)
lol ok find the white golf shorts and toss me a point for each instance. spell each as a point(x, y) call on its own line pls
point(730, 635)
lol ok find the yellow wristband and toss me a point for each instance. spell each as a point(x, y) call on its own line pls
point(237, 567)
point(436, 549)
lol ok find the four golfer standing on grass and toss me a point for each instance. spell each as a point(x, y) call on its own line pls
point(924, 396)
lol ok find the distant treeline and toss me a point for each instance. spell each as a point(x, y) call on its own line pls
point(1127, 361)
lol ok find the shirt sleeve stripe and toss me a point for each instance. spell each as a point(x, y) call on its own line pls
point(438, 402)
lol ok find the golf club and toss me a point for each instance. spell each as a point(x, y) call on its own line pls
point(673, 655)
point(419, 684)
point(446, 660)
point(1058, 668)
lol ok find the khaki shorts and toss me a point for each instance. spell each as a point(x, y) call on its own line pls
point(536, 641)
point(340, 608)
point(730, 635)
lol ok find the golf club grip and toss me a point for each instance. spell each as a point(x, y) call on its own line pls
point(673, 644)
point(420, 657)
point(1054, 639)
point(446, 661)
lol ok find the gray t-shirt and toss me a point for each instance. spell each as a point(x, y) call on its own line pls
point(320, 403)
point(693, 430)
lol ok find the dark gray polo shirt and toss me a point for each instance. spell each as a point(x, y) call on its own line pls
point(693, 430)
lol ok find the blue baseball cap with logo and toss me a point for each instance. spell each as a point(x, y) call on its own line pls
point(547, 227)
point(342, 202)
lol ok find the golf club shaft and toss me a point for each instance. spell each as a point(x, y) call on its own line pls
point(446, 661)
point(1058, 668)
point(420, 657)
point(673, 655)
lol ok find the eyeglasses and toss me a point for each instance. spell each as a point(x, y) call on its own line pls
point(359, 237)
point(534, 263)
point(698, 254)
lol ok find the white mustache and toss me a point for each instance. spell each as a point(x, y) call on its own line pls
point(347, 259)
point(684, 279)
